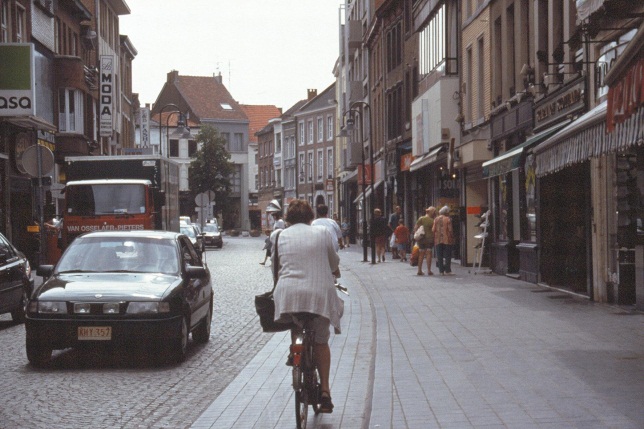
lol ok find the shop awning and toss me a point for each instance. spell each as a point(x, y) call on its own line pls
point(586, 138)
point(349, 176)
point(428, 158)
point(585, 8)
point(30, 122)
point(511, 159)
point(368, 191)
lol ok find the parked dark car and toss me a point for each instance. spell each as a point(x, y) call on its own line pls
point(16, 283)
point(126, 289)
point(212, 235)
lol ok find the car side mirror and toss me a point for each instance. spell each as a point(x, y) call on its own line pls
point(45, 271)
point(195, 271)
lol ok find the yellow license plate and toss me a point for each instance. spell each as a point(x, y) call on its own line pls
point(95, 333)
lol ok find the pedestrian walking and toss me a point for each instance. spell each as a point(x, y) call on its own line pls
point(267, 247)
point(402, 239)
point(426, 243)
point(379, 232)
point(444, 237)
point(322, 220)
point(345, 227)
point(393, 224)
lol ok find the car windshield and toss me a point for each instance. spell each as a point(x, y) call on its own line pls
point(109, 254)
point(88, 200)
point(210, 228)
point(188, 230)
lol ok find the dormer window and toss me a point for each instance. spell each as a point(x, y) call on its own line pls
point(226, 106)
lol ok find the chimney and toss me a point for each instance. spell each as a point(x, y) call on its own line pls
point(311, 94)
point(218, 78)
point(172, 76)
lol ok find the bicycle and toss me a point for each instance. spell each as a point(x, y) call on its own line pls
point(306, 380)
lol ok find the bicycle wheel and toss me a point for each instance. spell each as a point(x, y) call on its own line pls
point(301, 408)
point(315, 390)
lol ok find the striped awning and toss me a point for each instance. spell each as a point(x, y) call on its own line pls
point(585, 8)
point(586, 138)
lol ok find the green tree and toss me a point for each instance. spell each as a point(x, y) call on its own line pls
point(211, 169)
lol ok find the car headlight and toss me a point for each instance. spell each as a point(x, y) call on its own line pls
point(27, 268)
point(48, 307)
point(148, 307)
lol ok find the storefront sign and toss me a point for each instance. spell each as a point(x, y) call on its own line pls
point(559, 105)
point(405, 161)
point(17, 90)
point(328, 185)
point(145, 127)
point(106, 95)
point(625, 96)
point(367, 174)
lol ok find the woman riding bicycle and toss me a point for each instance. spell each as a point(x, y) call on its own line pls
point(307, 264)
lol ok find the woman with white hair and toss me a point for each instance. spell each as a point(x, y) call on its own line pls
point(443, 241)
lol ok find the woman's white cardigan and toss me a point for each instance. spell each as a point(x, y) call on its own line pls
point(307, 259)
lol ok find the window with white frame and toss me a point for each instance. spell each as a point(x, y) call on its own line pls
point(70, 111)
point(310, 167)
point(21, 24)
point(300, 126)
point(310, 131)
point(4, 22)
point(329, 127)
point(278, 142)
point(320, 164)
point(320, 130)
point(302, 168)
point(329, 163)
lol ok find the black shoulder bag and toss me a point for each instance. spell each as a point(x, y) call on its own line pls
point(264, 303)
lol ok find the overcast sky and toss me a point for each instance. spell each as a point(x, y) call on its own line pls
point(268, 51)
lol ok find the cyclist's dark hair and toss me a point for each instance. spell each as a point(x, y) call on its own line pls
point(299, 211)
point(322, 210)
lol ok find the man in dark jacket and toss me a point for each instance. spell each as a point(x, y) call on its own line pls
point(379, 233)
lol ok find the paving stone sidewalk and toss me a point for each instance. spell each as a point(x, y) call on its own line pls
point(463, 351)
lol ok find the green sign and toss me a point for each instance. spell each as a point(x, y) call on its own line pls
point(16, 79)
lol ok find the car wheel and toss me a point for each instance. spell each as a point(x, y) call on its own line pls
point(179, 346)
point(18, 315)
point(202, 333)
point(37, 354)
point(220, 245)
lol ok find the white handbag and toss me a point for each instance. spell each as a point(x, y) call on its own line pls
point(419, 233)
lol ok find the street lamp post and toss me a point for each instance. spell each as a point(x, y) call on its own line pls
point(359, 107)
point(161, 123)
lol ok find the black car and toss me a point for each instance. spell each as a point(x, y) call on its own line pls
point(126, 289)
point(212, 235)
point(16, 283)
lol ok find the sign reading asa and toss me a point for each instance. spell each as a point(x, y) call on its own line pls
point(17, 90)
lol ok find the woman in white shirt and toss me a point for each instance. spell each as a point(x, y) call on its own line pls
point(307, 264)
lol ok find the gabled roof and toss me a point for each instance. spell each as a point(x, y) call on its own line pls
point(294, 109)
point(258, 117)
point(321, 101)
point(208, 98)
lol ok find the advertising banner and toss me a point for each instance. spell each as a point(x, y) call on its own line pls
point(17, 89)
point(145, 127)
point(106, 95)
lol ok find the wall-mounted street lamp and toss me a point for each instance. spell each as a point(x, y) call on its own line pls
point(180, 127)
point(358, 108)
point(181, 132)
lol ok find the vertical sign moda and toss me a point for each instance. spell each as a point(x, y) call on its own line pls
point(106, 94)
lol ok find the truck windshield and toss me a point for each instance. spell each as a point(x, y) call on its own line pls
point(87, 200)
